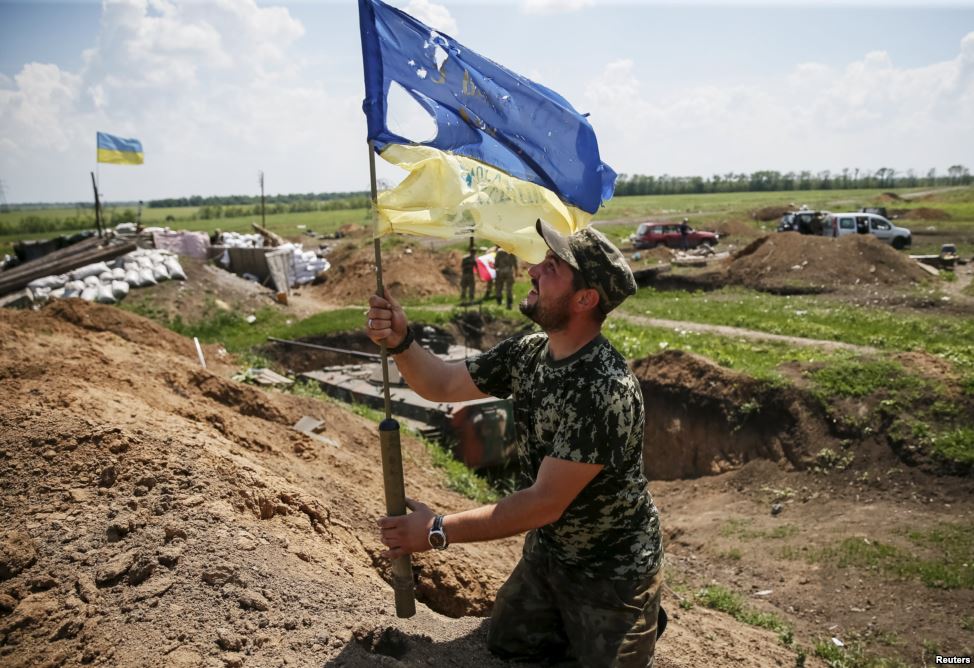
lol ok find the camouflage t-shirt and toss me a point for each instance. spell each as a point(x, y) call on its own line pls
point(585, 408)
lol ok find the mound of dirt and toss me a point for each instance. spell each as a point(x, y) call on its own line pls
point(770, 213)
point(154, 509)
point(921, 213)
point(206, 285)
point(736, 229)
point(890, 197)
point(706, 419)
point(793, 262)
point(407, 272)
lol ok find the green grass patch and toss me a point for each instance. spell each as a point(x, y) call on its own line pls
point(724, 600)
point(852, 655)
point(815, 317)
point(759, 359)
point(741, 529)
point(956, 445)
point(852, 378)
point(942, 558)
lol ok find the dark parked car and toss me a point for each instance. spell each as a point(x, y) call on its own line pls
point(650, 235)
point(805, 222)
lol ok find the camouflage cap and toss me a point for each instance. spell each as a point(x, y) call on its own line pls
point(601, 264)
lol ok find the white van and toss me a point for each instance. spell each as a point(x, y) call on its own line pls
point(870, 223)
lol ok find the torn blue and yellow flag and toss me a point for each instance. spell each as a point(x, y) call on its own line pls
point(118, 151)
point(507, 151)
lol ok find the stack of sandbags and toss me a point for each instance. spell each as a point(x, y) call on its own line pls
point(238, 240)
point(306, 264)
point(109, 282)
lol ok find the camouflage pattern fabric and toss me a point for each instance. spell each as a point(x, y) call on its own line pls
point(547, 612)
point(585, 408)
point(505, 263)
point(467, 278)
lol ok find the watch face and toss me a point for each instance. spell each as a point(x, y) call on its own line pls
point(437, 539)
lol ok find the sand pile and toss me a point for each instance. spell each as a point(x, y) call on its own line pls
point(408, 271)
point(790, 261)
point(770, 213)
point(155, 513)
point(921, 213)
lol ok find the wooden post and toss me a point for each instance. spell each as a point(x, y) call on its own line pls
point(263, 220)
point(392, 475)
point(94, 185)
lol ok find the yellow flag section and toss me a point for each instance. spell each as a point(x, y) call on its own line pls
point(447, 195)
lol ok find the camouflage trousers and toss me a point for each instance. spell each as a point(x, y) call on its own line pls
point(545, 612)
point(504, 286)
point(467, 288)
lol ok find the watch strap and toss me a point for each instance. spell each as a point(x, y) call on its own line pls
point(404, 344)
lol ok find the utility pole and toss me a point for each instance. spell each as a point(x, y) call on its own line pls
point(4, 208)
point(263, 223)
point(94, 185)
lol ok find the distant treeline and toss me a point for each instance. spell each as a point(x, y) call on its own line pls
point(306, 201)
point(41, 224)
point(772, 181)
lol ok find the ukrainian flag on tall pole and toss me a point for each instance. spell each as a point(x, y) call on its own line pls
point(507, 150)
point(118, 151)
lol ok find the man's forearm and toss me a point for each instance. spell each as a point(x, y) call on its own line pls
point(512, 515)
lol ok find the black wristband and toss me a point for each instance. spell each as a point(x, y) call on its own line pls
point(404, 344)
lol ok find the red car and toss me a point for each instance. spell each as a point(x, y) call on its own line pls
point(650, 235)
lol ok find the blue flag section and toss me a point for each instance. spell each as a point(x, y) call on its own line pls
point(481, 109)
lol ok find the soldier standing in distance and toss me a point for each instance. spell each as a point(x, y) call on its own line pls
point(588, 584)
point(684, 233)
point(467, 266)
point(506, 265)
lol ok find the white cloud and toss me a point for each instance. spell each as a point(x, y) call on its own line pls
point(434, 15)
point(554, 6)
point(869, 113)
point(213, 90)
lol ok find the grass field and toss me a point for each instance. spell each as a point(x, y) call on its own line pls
point(705, 209)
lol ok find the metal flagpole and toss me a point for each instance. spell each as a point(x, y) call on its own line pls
point(402, 567)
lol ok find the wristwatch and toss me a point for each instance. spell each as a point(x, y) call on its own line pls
point(437, 536)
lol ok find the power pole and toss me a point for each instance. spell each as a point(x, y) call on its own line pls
point(263, 223)
point(94, 185)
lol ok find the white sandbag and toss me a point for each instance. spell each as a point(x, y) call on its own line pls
point(89, 293)
point(175, 269)
point(118, 274)
point(106, 276)
point(50, 282)
point(133, 278)
point(159, 272)
point(105, 295)
point(89, 270)
point(144, 262)
point(131, 265)
point(120, 289)
point(73, 289)
point(57, 293)
point(147, 277)
point(39, 294)
point(92, 280)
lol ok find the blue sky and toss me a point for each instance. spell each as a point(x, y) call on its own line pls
point(218, 90)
